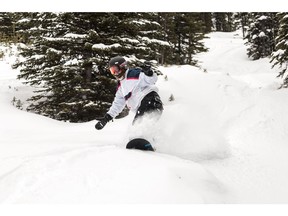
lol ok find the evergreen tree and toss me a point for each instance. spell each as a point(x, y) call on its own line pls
point(67, 59)
point(7, 26)
point(261, 35)
point(166, 20)
point(150, 36)
point(60, 63)
point(154, 36)
point(206, 19)
point(243, 20)
point(280, 55)
point(31, 25)
point(194, 35)
point(185, 31)
point(223, 22)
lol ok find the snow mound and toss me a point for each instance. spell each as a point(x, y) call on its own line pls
point(107, 175)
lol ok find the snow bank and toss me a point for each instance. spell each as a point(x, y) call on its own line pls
point(107, 175)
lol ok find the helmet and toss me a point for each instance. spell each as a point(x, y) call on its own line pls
point(117, 67)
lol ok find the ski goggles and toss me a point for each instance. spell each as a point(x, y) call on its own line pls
point(115, 70)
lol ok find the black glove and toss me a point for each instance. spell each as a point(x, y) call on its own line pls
point(103, 121)
point(146, 68)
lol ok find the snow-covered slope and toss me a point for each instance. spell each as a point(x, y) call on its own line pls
point(222, 140)
point(254, 123)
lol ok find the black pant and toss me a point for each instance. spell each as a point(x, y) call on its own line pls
point(150, 103)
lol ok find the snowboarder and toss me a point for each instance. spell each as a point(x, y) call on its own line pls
point(136, 89)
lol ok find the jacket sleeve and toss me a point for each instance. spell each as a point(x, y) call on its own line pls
point(117, 105)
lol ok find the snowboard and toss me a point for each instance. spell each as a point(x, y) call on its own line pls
point(141, 144)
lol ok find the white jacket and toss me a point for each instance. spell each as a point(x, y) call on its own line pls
point(131, 90)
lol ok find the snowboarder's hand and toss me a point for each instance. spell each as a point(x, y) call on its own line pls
point(103, 121)
point(146, 68)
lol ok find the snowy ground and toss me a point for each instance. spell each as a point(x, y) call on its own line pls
point(222, 140)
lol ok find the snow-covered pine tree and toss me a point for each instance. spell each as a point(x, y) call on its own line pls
point(223, 21)
point(166, 20)
point(261, 35)
point(68, 59)
point(136, 36)
point(190, 30)
point(61, 63)
point(8, 26)
point(280, 55)
point(242, 21)
point(5, 26)
point(152, 37)
point(185, 31)
point(194, 37)
point(30, 25)
point(206, 18)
